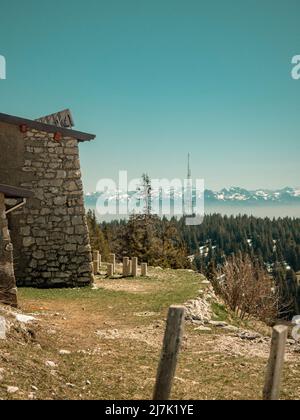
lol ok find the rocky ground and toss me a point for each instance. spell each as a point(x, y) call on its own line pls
point(105, 341)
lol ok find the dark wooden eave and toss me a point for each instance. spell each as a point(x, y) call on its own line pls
point(10, 119)
point(15, 192)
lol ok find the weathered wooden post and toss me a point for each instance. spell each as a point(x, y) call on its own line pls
point(129, 268)
point(112, 260)
point(170, 351)
point(271, 390)
point(135, 266)
point(96, 264)
point(144, 269)
point(110, 270)
point(8, 290)
point(2, 328)
point(96, 256)
point(95, 268)
point(125, 266)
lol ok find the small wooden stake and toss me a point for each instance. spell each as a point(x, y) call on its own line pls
point(110, 270)
point(96, 259)
point(271, 390)
point(125, 266)
point(129, 268)
point(144, 269)
point(134, 266)
point(171, 346)
point(95, 267)
point(112, 260)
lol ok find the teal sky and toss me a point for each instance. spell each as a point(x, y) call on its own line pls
point(157, 79)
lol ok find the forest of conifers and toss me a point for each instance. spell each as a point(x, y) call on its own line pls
point(271, 241)
point(273, 245)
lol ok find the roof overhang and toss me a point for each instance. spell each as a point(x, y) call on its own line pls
point(14, 192)
point(80, 136)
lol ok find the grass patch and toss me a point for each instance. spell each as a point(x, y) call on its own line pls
point(220, 312)
point(115, 335)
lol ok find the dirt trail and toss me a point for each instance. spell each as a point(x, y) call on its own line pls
point(104, 343)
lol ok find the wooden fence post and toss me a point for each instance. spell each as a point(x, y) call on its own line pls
point(96, 259)
point(129, 268)
point(271, 390)
point(134, 266)
point(110, 270)
point(125, 266)
point(144, 269)
point(95, 268)
point(112, 260)
point(171, 346)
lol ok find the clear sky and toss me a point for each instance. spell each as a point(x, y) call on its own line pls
point(157, 79)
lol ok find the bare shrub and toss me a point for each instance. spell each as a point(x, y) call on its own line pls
point(247, 289)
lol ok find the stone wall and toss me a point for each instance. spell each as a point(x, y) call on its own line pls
point(8, 291)
point(50, 234)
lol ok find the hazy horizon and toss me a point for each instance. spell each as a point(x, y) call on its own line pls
point(292, 211)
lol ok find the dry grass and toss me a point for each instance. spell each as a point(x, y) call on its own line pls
point(114, 334)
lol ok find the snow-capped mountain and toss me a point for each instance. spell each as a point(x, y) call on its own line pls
point(240, 195)
point(232, 195)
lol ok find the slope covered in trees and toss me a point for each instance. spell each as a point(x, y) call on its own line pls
point(273, 245)
point(271, 241)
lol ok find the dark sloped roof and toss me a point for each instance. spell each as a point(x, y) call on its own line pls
point(14, 192)
point(10, 119)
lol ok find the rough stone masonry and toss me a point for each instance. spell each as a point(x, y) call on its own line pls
point(8, 291)
point(49, 234)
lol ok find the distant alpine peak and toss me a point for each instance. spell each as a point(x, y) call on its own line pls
point(287, 195)
point(231, 194)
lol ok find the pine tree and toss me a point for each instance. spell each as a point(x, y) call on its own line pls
point(97, 239)
point(211, 272)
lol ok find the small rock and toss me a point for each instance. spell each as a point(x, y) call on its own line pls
point(25, 319)
point(202, 328)
point(88, 382)
point(34, 388)
point(2, 328)
point(64, 352)
point(51, 364)
point(198, 309)
point(12, 389)
point(220, 324)
point(196, 322)
point(230, 328)
point(248, 336)
point(70, 385)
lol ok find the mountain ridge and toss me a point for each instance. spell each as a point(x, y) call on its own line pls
point(231, 195)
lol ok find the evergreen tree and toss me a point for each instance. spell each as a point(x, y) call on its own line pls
point(97, 239)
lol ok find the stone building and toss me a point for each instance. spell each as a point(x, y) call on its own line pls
point(8, 290)
point(49, 234)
